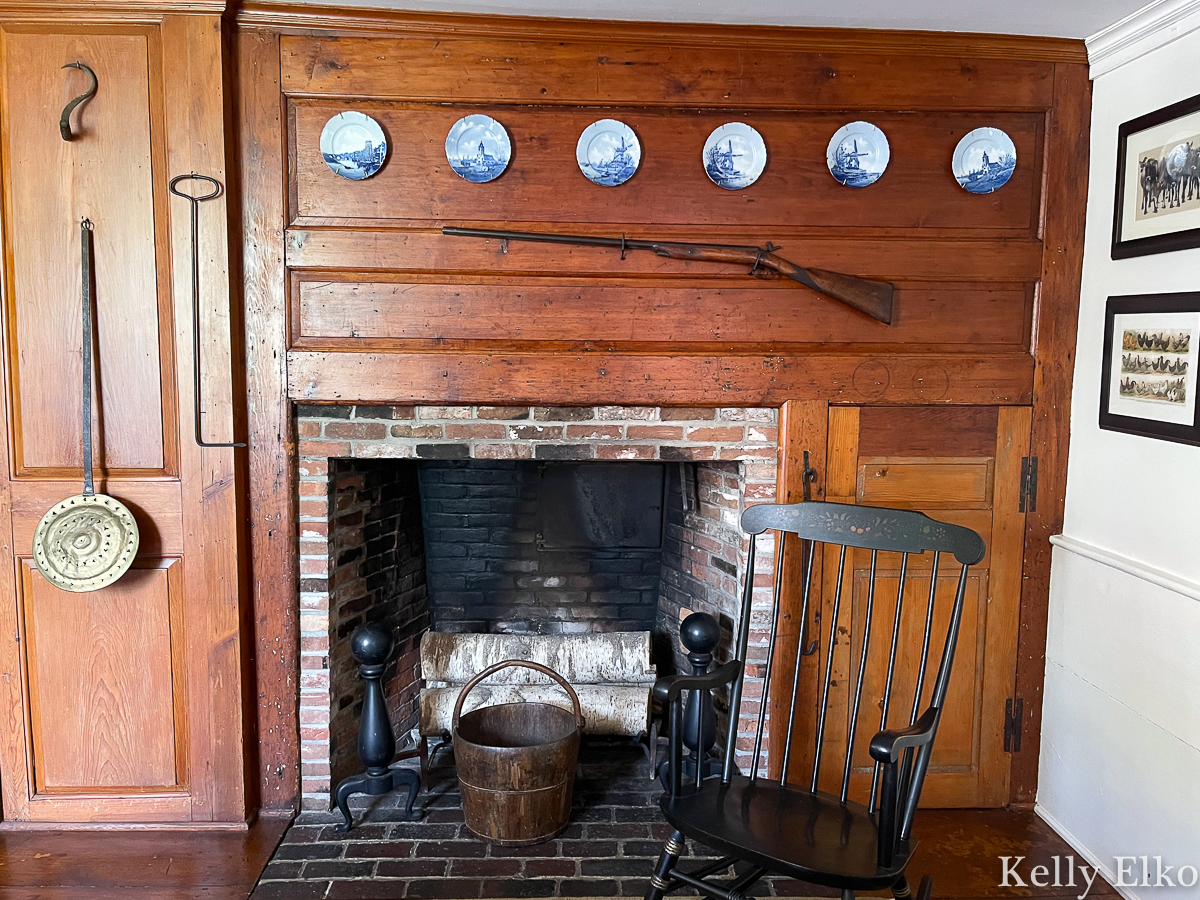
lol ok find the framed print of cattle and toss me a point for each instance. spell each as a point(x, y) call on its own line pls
point(1148, 377)
point(1158, 182)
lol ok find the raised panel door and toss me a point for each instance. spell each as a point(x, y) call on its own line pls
point(957, 466)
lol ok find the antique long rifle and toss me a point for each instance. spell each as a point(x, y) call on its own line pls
point(874, 298)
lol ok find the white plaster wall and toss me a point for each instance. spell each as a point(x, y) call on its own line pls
point(1120, 755)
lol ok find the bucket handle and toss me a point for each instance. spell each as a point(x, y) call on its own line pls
point(504, 664)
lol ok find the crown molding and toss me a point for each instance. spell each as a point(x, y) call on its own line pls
point(292, 17)
point(1142, 32)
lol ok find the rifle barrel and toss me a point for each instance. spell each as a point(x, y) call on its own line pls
point(874, 298)
point(582, 239)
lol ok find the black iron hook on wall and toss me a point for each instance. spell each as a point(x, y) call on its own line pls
point(64, 121)
point(808, 477)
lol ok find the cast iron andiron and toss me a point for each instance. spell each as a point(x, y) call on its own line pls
point(372, 645)
point(699, 633)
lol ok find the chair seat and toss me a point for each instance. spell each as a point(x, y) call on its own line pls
point(788, 831)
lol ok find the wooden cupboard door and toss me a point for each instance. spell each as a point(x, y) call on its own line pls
point(104, 685)
point(959, 465)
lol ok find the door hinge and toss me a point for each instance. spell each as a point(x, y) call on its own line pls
point(1013, 713)
point(1028, 501)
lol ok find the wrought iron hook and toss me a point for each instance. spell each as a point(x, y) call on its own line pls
point(807, 477)
point(64, 121)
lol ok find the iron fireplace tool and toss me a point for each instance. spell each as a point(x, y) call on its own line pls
point(88, 541)
point(195, 200)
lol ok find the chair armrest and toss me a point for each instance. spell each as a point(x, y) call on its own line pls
point(669, 688)
point(886, 745)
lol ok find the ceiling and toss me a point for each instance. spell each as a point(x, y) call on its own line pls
point(1055, 18)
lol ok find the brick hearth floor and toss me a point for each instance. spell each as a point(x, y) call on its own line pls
point(608, 850)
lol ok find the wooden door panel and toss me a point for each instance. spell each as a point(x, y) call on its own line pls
point(107, 175)
point(907, 483)
point(104, 690)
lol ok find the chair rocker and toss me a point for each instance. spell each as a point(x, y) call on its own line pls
point(762, 826)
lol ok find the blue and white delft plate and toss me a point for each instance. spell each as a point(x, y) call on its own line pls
point(478, 148)
point(608, 152)
point(734, 156)
point(984, 160)
point(857, 154)
point(353, 145)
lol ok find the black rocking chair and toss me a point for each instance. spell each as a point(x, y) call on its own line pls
point(762, 826)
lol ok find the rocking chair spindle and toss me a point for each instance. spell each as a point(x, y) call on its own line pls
point(779, 828)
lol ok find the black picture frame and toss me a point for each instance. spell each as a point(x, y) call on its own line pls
point(1183, 433)
point(1185, 238)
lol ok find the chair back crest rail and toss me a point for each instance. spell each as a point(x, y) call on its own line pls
point(901, 754)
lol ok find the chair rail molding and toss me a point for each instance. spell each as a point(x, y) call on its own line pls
point(1141, 32)
point(1160, 577)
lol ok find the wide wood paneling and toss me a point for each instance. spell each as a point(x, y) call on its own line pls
point(726, 75)
point(924, 257)
point(1056, 324)
point(107, 175)
point(350, 313)
point(212, 481)
point(928, 431)
point(588, 378)
point(270, 430)
point(670, 187)
point(103, 685)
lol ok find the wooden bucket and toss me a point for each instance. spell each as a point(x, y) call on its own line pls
point(516, 763)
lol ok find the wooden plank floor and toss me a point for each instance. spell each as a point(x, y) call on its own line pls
point(960, 847)
point(135, 865)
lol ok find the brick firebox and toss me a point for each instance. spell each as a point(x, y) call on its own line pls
point(359, 535)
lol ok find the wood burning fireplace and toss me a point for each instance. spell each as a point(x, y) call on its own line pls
point(421, 517)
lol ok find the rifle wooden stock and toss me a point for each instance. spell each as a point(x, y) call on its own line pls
point(873, 298)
